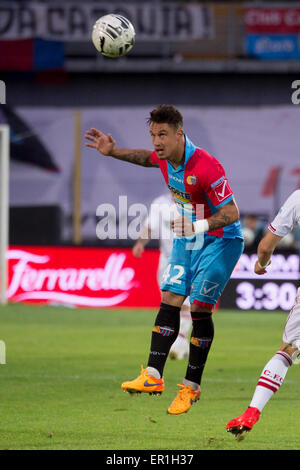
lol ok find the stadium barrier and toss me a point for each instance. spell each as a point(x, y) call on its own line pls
point(113, 277)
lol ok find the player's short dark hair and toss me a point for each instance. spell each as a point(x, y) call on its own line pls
point(166, 114)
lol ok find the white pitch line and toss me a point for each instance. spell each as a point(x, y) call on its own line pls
point(113, 377)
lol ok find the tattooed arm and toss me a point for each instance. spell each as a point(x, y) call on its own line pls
point(226, 215)
point(106, 145)
point(136, 156)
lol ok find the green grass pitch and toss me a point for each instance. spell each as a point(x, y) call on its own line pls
point(60, 387)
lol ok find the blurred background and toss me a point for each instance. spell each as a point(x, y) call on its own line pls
point(230, 67)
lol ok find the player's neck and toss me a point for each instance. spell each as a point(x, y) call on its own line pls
point(177, 159)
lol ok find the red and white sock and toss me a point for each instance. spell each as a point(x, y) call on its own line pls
point(271, 379)
point(185, 323)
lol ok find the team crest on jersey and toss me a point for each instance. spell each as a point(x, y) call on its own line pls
point(191, 180)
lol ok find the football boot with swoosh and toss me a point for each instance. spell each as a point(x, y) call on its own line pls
point(144, 383)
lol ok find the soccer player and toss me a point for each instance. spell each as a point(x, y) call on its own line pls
point(207, 245)
point(275, 370)
point(158, 225)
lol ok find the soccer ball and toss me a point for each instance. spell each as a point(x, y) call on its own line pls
point(249, 236)
point(113, 35)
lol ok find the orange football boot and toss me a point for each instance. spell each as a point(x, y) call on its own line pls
point(185, 397)
point(145, 383)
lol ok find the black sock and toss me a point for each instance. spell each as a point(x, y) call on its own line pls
point(164, 334)
point(201, 340)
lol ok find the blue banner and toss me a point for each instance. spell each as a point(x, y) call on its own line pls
point(273, 46)
point(48, 55)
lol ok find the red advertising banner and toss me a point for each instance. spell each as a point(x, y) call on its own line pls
point(83, 277)
point(272, 20)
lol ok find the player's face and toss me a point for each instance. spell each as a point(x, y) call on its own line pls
point(165, 139)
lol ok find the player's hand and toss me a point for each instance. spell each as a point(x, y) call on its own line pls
point(259, 270)
point(182, 227)
point(101, 142)
point(138, 250)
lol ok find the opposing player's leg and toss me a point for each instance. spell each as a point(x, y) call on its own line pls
point(269, 382)
point(180, 348)
point(210, 273)
point(273, 374)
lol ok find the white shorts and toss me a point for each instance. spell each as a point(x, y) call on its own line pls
point(292, 327)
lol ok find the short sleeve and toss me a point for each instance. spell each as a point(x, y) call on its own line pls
point(216, 185)
point(287, 217)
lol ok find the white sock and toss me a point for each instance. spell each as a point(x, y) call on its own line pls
point(271, 379)
point(185, 323)
point(154, 372)
point(192, 384)
point(185, 326)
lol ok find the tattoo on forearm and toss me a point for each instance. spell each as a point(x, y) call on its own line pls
point(226, 216)
point(218, 221)
point(137, 157)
